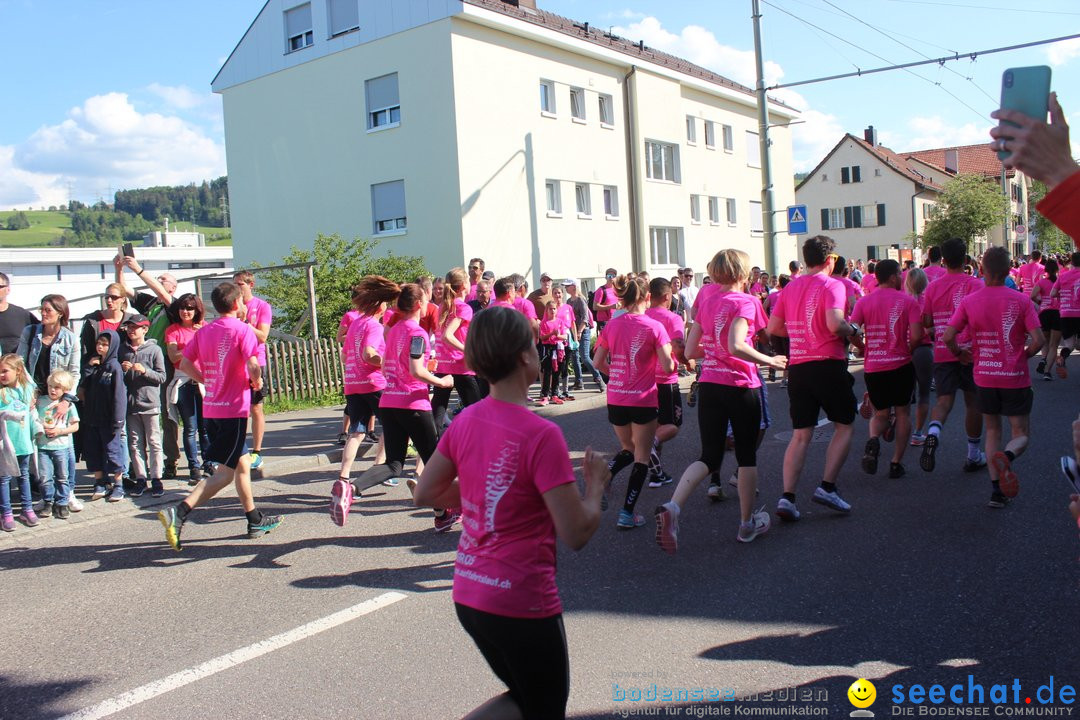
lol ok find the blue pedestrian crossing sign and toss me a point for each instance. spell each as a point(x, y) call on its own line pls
point(796, 220)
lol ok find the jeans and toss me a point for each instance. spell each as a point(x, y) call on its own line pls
point(53, 474)
point(24, 487)
point(582, 358)
point(189, 403)
point(144, 446)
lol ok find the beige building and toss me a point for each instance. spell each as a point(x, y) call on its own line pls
point(458, 128)
point(870, 199)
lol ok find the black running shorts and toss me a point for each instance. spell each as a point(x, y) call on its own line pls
point(891, 388)
point(620, 415)
point(952, 376)
point(228, 441)
point(1005, 401)
point(820, 385)
point(360, 408)
point(669, 400)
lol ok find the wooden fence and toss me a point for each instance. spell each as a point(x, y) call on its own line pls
point(304, 370)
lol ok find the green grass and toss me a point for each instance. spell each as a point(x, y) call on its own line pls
point(215, 236)
point(281, 404)
point(44, 227)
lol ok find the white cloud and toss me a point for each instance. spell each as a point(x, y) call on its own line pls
point(926, 132)
point(21, 189)
point(106, 142)
point(1062, 52)
point(180, 97)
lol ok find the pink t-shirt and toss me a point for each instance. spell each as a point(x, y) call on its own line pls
point(402, 389)
point(360, 375)
point(452, 360)
point(715, 316)
point(1029, 275)
point(852, 290)
point(506, 459)
point(803, 308)
point(471, 295)
point(525, 306)
point(180, 336)
point(1068, 287)
point(633, 343)
point(565, 314)
point(869, 283)
point(675, 328)
point(258, 313)
point(549, 329)
point(886, 316)
point(502, 303)
point(221, 350)
point(348, 318)
point(1046, 286)
point(604, 296)
point(934, 272)
point(999, 319)
point(940, 302)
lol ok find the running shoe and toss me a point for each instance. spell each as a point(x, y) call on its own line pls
point(61, 512)
point(7, 522)
point(716, 492)
point(568, 396)
point(870, 456)
point(1041, 367)
point(971, 466)
point(29, 518)
point(341, 497)
point(391, 482)
point(46, 510)
point(100, 491)
point(997, 500)
point(116, 495)
point(831, 500)
point(733, 481)
point(138, 488)
point(1062, 371)
point(556, 400)
point(691, 398)
point(786, 510)
point(759, 525)
point(896, 471)
point(866, 409)
point(256, 459)
point(659, 478)
point(444, 522)
point(667, 528)
point(542, 401)
point(929, 448)
point(629, 521)
point(1046, 377)
point(74, 503)
point(156, 488)
point(1010, 486)
point(917, 439)
point(342, 438)
point(170, 519)
point(268, 523)
point(890, 431)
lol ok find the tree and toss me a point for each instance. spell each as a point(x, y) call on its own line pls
point(18, 221)
point(969, 206)
point(339, 264)
point(1048, 237)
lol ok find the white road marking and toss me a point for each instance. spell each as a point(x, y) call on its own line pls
point(229, 660)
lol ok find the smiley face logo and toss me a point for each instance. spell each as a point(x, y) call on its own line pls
point(862, 693)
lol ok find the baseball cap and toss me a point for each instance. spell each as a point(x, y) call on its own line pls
point(136, 320)
point(488, 275)
point(569, 281)
point(545, 276)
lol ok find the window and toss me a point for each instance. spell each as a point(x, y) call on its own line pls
point(852, 174)
point(665, 246)
point(554, 197)
point(384, 108)
point(755, 217)
point(547, 97)
point(691, 130)
point(853, 216)
point(661, 160)
point(584, 199)
point(388, 207)
point(753, 150)
point(298, 33)
point(927, 209)
point(824, 177)
point(710, 135)
point(869, 215)
point(695, 209)
point(714, 210)
point(344, 16)
point(577, 104)
point(607, 111)
point(877, 172)
point(205, 265)
point(611, 201)
point(729, 140)
point(730, 211)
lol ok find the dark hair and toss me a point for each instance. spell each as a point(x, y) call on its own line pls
point(410, 296)
point(630, 290)
point(886, 270)
point(224, 297)
point(659, 286)
point(840, 266)
point(871, 265)
point(1052, 269)
point(193, 301)
point(783, 280)
point(497, 337)
point(817, 249)
point(954, 252)
point(518, 280)
point(503, 287)
point(1074, 259)
point(372, 291)
point(1036, 255)
point(793, 266)
point(935, 254)
point(60, 304)
point(996, 262)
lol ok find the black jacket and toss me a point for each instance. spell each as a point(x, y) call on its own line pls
point(105, 402)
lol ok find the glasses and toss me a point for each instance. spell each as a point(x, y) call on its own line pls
point(188, 308)
point(47, 309)
point(832, 256)
point(114, 298)
point(2, 287)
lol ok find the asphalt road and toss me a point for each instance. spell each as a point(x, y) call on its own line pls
point(920, 584)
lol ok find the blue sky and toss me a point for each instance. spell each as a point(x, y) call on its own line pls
point(104, 95)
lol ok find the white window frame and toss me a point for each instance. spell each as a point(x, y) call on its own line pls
point(710, 135)
point(583, 200)
point(756, 220)
point(669, 161)
point(695, 209)
point(732, 211)
point(728, 137)
point(836, 218)
point(577, 105)
point(343, 27)
point(607, 111)
point(390, 225)
point(714, 210)
point(869, 212)
point(383, 117)
point(547, 92)
point(753, 149)
point(611, 202)
point(553, 191)
point(691, 130)
point(665, 246)
point(302, 39)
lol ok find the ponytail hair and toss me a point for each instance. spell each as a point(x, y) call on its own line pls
point(409, 298)
point(372, 291)
point(456, 281)
point(632, 290)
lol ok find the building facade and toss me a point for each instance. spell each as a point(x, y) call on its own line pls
point(452, 129)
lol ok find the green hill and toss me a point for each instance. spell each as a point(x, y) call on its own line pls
point(44, 227)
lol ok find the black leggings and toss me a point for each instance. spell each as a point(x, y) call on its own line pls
point(551, 377)
point(528, 655)
point(467, 390)
point(399, 426)
point(718, 405)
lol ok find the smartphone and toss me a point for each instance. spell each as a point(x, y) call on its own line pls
point(1069, 470)
point(1026, 89)
point(129, 251)
point(416, 348)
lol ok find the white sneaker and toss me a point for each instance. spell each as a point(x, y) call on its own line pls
point(758, 525)
point(74, 503)
point(918, 439)
point(786, 510)
point(733, 481)
point(831, 500)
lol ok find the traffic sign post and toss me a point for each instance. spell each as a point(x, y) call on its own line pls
point(796, 220)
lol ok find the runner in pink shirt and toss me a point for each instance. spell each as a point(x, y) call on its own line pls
point(223, 357)
point(869, 281)
point(259, 315)
point(510, 472)
point(891, 324)
point(632, 348)
point(934, 269)
point(502, 291)
point(922, 358)
point(725, 327)
point(1049, 315)
point(1031, 272)
point(950, 375)
point(811, 314)
point(1067, 292)
point(1000, 321)
point(668, 394)
point(342, 331)
point(455, 316)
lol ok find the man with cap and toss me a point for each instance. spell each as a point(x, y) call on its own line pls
point(541, 296)
point(585, 323)
point(143, 364)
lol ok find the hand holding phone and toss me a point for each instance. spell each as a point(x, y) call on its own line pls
point(129, 251)
point(1026, 90)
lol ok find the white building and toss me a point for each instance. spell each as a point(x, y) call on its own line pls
point(81, 274)
point(451, 129)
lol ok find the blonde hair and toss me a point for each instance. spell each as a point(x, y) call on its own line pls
point(14, 363)
point(729, 267)
point(916, 282)
point(631, 289)
point(456, 281)
point(61, 379)
point(117, 289)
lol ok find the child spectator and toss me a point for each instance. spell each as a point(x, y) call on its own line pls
point(105, 407)
point(55, 422)
point(553, 343)
point(144, 374)
point(16, 396)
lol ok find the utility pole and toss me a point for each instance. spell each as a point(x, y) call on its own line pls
point(763, 142)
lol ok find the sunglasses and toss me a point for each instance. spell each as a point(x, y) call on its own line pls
point(191, 308)
point(832, 256)
point(4, 286)
point(113, 297)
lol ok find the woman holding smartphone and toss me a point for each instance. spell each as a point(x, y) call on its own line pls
point(404, 407)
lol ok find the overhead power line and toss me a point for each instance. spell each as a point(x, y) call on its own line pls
point(988, 7)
